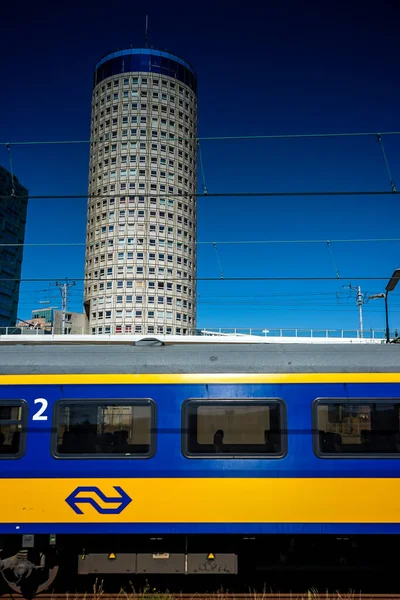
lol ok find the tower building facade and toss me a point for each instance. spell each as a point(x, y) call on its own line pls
point(140, 266)
point(13, 212)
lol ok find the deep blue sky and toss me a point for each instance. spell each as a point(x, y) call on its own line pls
point(263, 68)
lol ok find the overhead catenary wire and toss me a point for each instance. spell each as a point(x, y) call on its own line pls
point(223, 242)
point(242, 194)
point(343, 308)
point(186, 195)
point(278, 136)
point(271, 295)
point(238, 299)
point(263, 300)
point(255, 308)
point(189, 281)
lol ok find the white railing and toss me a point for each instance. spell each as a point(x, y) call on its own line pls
point(236, 334)
point(372, 334)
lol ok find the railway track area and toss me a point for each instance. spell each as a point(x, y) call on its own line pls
point(123, 595)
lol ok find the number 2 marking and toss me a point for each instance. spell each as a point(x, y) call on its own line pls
point(39, 416)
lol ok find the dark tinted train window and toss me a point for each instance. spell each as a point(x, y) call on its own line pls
point(120, 428)
point(362, 427)
point(233, 428)
point(11, 428)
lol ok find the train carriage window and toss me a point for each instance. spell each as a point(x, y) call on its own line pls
point(361, 427)
point(12, 421)
point(104, 429)
point(230, 428)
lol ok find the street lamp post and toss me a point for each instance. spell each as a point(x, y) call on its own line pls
point(393, 281)
point(387, 319)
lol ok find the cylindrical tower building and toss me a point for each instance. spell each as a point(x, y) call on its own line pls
point(140, 269)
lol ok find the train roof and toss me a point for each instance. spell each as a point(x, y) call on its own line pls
point(152, 356)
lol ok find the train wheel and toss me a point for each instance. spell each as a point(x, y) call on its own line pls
point(26, 575)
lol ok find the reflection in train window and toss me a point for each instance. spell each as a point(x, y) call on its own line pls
point(360, 427)
point(108, 429)
point(12, 415)
point(245, 428)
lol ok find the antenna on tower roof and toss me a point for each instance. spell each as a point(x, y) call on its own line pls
point(146, 36)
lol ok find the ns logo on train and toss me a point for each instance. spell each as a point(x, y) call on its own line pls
point(78, 497)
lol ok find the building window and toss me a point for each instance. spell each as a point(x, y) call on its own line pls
point(240, 427)
point(105, 428)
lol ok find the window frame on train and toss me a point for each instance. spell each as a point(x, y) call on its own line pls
point(105, 455)
point(16, 403)
point(361, 401)
point(264, 401)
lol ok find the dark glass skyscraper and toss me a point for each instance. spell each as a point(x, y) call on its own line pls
point(12, 231)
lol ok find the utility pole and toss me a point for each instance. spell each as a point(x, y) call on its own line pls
point(360, 302)
point(360, 299)
point(64, 289)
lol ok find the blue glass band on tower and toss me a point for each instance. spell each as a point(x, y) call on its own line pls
point(146, 60)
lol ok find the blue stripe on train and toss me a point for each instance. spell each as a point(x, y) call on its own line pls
point(203, 528)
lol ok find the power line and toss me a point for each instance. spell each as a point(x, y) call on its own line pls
point(225, 242)
point(294, 308)
point(208, 195)
point(255, 306)
point(239, 300)
point(294, 295)
point(310, 294)
point(280, 136)
point(189, 281)
point(252, 308)
point(343, 241)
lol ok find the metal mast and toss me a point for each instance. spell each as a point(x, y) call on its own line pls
point(64, 289)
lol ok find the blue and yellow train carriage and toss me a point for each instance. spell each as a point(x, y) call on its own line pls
point(191, 458)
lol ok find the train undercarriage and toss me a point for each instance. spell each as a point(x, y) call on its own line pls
point(32, 564)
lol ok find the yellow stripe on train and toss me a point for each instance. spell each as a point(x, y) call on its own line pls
point(193, 378)
point(209, 500)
